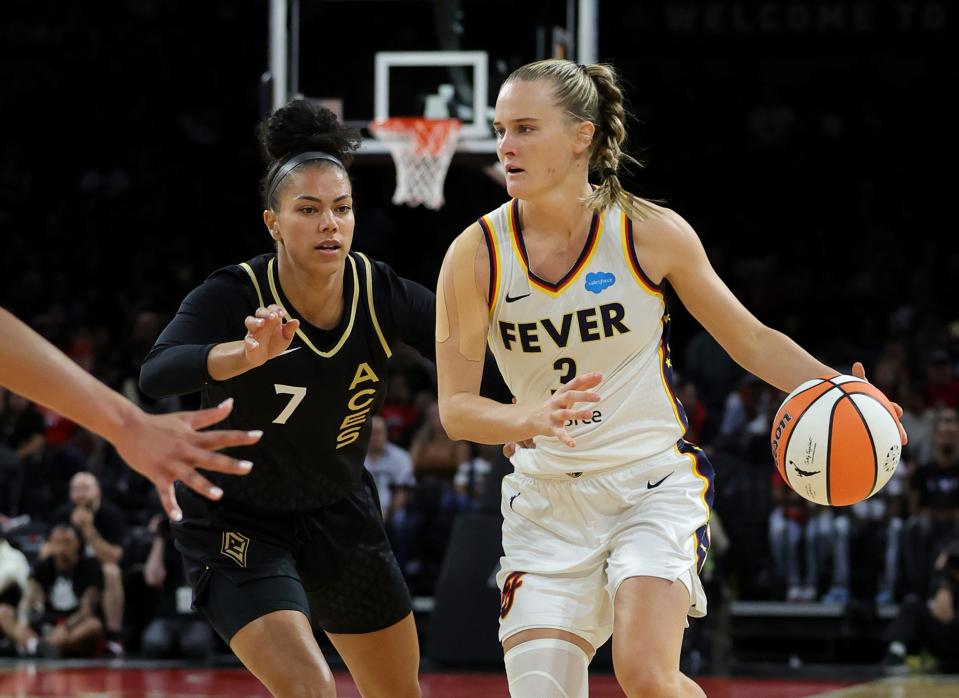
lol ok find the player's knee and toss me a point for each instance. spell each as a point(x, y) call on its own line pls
point(646, 681)
point(547, 668)
point(311, 685)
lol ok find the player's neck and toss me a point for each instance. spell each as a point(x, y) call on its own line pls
point(317, 298)
point(558, 212)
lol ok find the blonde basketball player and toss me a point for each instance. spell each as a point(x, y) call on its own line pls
point(606, 519)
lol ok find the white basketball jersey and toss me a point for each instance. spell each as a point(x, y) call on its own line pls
point(605, 315)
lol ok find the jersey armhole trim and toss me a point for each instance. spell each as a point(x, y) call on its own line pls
point(629, 249)
point(256, 284)
point(372, 304)
point(489, 234)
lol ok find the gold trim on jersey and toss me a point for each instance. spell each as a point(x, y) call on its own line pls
point(629, 251)
point(585, 256)
point(702, 495)
point(256, 284)
point(300, 333)
point(489, 232)
point(372, 306)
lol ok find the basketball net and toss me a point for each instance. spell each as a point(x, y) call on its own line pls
point(422, 150)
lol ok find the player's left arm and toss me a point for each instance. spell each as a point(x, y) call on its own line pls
point(678, 256)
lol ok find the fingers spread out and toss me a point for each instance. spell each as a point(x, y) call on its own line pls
point(222, 438)
point(168, 500)
point(561, 434)
point(584, 382)
point(199, 458)
point(571, 397)
point(196, 482)
point(209, 416)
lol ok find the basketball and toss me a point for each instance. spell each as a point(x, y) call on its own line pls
point(836, 440)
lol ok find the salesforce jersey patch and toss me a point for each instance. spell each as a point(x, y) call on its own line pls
point(596, 282)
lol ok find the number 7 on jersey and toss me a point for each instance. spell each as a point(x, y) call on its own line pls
point(298, 394)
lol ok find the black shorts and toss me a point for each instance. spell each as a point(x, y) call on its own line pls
point(334, 563)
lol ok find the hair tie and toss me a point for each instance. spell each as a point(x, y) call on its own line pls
point(293, 162)
point(609, 172)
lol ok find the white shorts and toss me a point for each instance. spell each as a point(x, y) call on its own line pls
point(569, 542)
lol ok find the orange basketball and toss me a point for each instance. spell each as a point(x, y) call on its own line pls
point(836, 440)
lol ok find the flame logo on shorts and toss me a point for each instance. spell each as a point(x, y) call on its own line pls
point(512, 583)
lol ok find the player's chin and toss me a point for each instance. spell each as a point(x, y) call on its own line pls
point(325, 258)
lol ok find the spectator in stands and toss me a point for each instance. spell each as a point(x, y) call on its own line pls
point(827, 541)
point(786, 523)
point(103, 531)
point(933, 503)
point(14, 572)
point(883, 515)
point(696, 412)
point(400, 410)
point(58, 613)
point(744, 429)
point(390, 465)
point(176, 630)
point(942, 385)
point(918, 419)
point(931, 624)
point(22, 428)
point(472, 474)
point(434, 454)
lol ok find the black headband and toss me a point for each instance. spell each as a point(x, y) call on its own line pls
point(293, 162)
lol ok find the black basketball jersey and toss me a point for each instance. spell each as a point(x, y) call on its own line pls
point(314, 401)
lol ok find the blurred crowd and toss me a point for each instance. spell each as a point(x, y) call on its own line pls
point(810, 181)
point(87, 567)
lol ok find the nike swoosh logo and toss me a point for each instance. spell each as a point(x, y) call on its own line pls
point(290, 351)
point(651, 485)
point(510, 299)
point(512, 498)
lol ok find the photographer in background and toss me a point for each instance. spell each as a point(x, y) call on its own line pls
point(930, 624)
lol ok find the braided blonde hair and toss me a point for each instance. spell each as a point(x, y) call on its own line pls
point(592, 93)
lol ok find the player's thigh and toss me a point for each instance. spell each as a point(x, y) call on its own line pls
point(548, 634)
point(649, 621)
point(280, 650)
point(384, 663)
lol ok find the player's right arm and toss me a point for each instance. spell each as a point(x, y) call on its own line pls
point(213, 338)
point(462, 324)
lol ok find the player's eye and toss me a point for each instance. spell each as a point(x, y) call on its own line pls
point(344, 209)
point(307, 209)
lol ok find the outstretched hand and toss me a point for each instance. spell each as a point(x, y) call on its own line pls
point(859, 371)
point(165, 448)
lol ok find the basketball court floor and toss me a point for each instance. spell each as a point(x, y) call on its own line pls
point(165, 680)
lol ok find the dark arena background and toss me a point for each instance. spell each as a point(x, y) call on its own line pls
point(811, 143)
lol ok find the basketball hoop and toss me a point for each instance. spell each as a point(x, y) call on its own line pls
point(422, 150)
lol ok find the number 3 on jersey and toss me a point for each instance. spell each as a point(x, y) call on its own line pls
point(298, 394)
point(568, 367)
